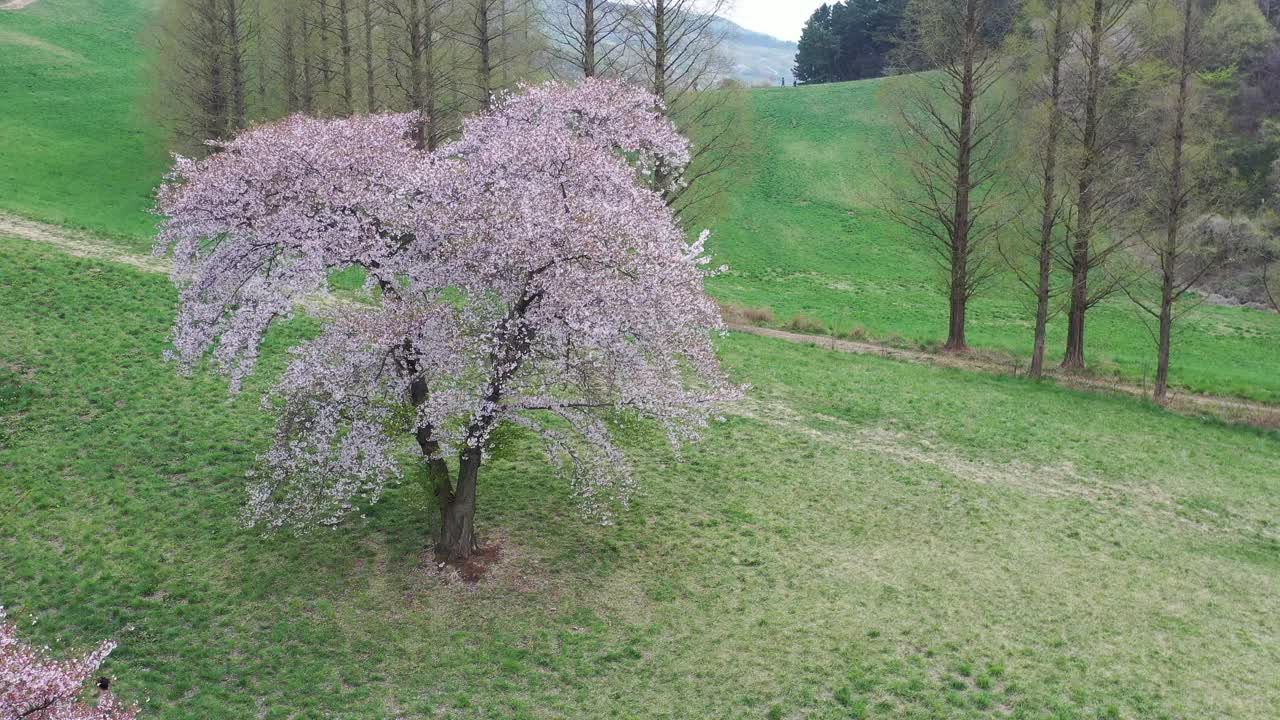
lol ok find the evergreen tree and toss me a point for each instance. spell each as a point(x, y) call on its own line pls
point(849, 40)
point(816, 52)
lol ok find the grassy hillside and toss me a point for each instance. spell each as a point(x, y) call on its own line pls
point(803, 234)
point(74, 146)
point(861, 538)
point(801, 229)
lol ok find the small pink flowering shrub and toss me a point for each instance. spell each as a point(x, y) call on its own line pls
point(34, 686)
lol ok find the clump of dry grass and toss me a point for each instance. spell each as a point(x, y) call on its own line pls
point(857, 333)
point(806, 324)
point(747, 315)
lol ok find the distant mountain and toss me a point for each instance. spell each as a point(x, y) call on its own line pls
point(752, 57)
point(755, 57)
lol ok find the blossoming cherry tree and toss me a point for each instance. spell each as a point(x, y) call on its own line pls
point(528, 274)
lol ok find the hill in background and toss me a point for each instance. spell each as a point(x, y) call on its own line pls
point(800, 225)
point(755, 57)
point(751, 57)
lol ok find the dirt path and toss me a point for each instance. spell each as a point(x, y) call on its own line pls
point(77, 243)
point(15, 4)
point(1227, 408)
point(85, 245)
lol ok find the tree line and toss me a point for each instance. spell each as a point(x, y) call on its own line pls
point(220, 65)
point(1092, 147)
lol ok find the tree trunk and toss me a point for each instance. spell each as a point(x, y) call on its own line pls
point(485, 71)
point(344, 40)
point(589, 38)
point(1166, 333)
point(235, 60)
point(260, 58)
point(660, 48)
point(308, 80)
point(955, 335)
point(1081, 260)
point(1176, 206)
point(289, 60)
point(420, 30)
point(1049, 199)
point(370, 91)
point(457, 539)
point(457, 505)
point(1042, 321)
point(326, 66)
point(1074, 358)
point(963, 185)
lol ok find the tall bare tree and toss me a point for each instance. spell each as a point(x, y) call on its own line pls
point(346, 49)
point(951, 125)
point(487, 28)
point(675, 50)
point(1271, 290)
point(586, 35)
point(1043, 128)
point(289, 46)
point(262, 58)
point(324, 41)
point(417, 66)
point(202, 67)
point(306, 22)
point(368, 23)
point(1179, 177)
point(236, 18)
point(1100, 132)
point(676, 44)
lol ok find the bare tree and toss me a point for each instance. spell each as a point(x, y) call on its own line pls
point(1045, 94)
point(347, 50)
point(262, 57)
point(413, 28)
point(236, 20)
point(676, 43)
point(1100, 133)
point(1180, 183)
point(675, 51)
point(486, 30)
point(324, 62)
point(308, 90)
point(202, 67)
point(951, 123)
point(1272, 293)
point(291, 61)
point(368, 23)
point(585, 35)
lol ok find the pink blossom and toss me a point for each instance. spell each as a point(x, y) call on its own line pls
point(527, 273)
point(34, 686)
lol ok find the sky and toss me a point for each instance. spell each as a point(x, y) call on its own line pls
point(779, 18)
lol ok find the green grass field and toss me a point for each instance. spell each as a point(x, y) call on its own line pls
point(860, 539)
point(803, 233)
point(76, 147)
